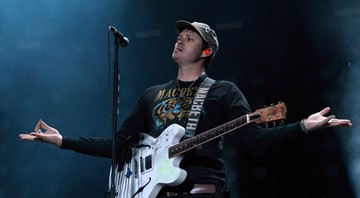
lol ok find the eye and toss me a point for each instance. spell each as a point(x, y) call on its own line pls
point(189, 39)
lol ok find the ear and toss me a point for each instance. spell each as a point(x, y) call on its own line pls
point(206, 52)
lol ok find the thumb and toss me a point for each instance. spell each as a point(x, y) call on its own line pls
point(326, 110)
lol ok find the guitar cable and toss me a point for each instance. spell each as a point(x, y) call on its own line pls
point(141, 188)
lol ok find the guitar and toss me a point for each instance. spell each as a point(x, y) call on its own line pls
point(155, 162)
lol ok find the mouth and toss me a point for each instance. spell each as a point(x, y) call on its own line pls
point(179, 49)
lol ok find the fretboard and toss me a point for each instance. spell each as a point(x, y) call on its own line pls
point(207, 136)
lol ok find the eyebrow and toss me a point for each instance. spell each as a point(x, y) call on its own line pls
point(187, 33)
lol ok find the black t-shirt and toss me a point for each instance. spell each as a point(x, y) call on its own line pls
point(166, 104)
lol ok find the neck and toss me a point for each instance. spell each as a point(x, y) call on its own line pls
point(190, 73)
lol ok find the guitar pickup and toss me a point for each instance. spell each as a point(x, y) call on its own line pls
point(148, 162)
point(136, 168)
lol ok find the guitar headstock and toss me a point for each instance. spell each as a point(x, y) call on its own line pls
point(272, 113)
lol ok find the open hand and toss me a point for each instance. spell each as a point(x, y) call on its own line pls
point(319, 120)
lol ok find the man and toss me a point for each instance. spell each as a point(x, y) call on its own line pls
point(170, 103)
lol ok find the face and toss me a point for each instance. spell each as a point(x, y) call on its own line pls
point(188, 47)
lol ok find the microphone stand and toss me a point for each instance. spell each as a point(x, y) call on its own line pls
point(112, 193)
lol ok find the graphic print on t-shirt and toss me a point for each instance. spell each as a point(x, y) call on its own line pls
point(172, 108)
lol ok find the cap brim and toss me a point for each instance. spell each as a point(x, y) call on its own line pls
point(181, 25)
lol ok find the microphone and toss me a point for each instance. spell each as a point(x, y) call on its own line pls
point(122, 39)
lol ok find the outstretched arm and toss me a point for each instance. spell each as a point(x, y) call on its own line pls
point(318, 121)
point(51, 135)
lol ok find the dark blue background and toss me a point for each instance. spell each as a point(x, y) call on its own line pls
point(54, 66)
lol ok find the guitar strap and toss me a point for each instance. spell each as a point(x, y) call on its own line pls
point(196, 107)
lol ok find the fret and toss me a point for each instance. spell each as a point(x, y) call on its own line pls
point(232, 124)
point(216, 131)
point(221, 130)
point(191, 144)
point(205, 137)
point(227, 127)
point(212, 133)
point(242, 120)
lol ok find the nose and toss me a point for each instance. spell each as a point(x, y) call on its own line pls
point(180, 42)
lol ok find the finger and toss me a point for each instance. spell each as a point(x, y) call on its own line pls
point(339, 122)
point(326, 110)
point(27, 137)
point(37, 127)
point(44, 125)
point(37, 135)
point(329, 118)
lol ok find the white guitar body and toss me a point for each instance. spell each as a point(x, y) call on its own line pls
point(150, 167)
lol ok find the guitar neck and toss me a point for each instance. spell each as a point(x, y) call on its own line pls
point(207, 136)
